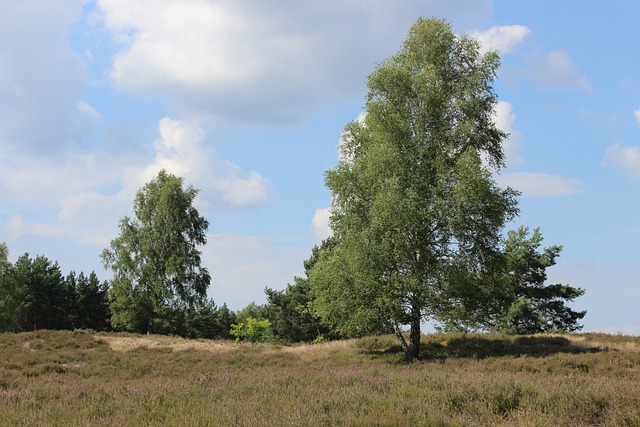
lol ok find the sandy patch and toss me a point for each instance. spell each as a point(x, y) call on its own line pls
point(126, 343)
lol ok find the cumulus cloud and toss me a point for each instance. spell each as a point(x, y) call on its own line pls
point(320, 223)
point(503, 117)
point(557, 70)
point(242, 190)
point(28, 180)
point(248, 61)
point(626, 158)
point(636, 114)
point(503, 38)
point(242, 266)
point(554, 69)
point(182, 149)
point(228, 60)
point(41, 78)
point(78, 196)
point(535, 184)
point(81, 196)
point(88, 111)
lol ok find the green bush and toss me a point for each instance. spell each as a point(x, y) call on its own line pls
point(254, 331)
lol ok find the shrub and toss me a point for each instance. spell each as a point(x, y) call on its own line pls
point(255, 330)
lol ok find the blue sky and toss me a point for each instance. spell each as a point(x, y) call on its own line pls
point(247, 103)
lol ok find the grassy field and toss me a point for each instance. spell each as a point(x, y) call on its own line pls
point(86, 379)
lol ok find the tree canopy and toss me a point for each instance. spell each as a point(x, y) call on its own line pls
point(290, 310)
point(155, 259)
point(413, 194)
point(534, 306)
point(12, 294)
point(35, 295)
point(512, 296)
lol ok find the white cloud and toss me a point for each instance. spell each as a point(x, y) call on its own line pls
point(320, 223)
point(623, 157)
point(554, 69)
point(41, 78)
point(243, 191)
point(242, 266)
point(82, 196)
point(28, 180)
point(504, 117)
point(75, 197)
point(248, 61)
point(636, 114)
point(88, 110)
point(502, 38)
point(535, 184)
point(181, 149)
point(557, 70)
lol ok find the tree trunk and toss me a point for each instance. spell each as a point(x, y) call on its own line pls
point(403, 342)
point(414, 334)
point(414, 339)
point(411, 350)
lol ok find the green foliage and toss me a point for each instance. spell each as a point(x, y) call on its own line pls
point(92, 303)
point(206, 320)
point(254, 330)
point(340, 299)
point(257, 330)
point(155, 260)
point(413, 194)
point(12, 294)
point(511, 295)
point(534, 306)
point(46, 297)
point(237, 330)
point(290, 310)
point(251, 310)
point(202, 321)
point(35, 295)
point(226, 318)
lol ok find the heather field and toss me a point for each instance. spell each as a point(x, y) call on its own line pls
point(85, 379)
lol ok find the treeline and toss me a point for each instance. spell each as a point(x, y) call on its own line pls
point(512, 298)
point(34, 294)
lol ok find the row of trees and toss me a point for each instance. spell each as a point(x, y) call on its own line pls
point(35, 295)
point(512, 298)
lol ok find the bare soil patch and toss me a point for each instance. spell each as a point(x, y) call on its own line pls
point(126, 343)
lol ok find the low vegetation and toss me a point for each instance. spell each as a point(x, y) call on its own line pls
point(88, 378)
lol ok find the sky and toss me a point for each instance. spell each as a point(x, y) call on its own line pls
point(247, 101)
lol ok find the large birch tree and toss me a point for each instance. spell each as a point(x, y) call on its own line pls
point(156, 258)
point(414, 201)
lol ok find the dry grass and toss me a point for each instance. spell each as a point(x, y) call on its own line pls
point(127, 342)
point(78, 379)
point(610, 342)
